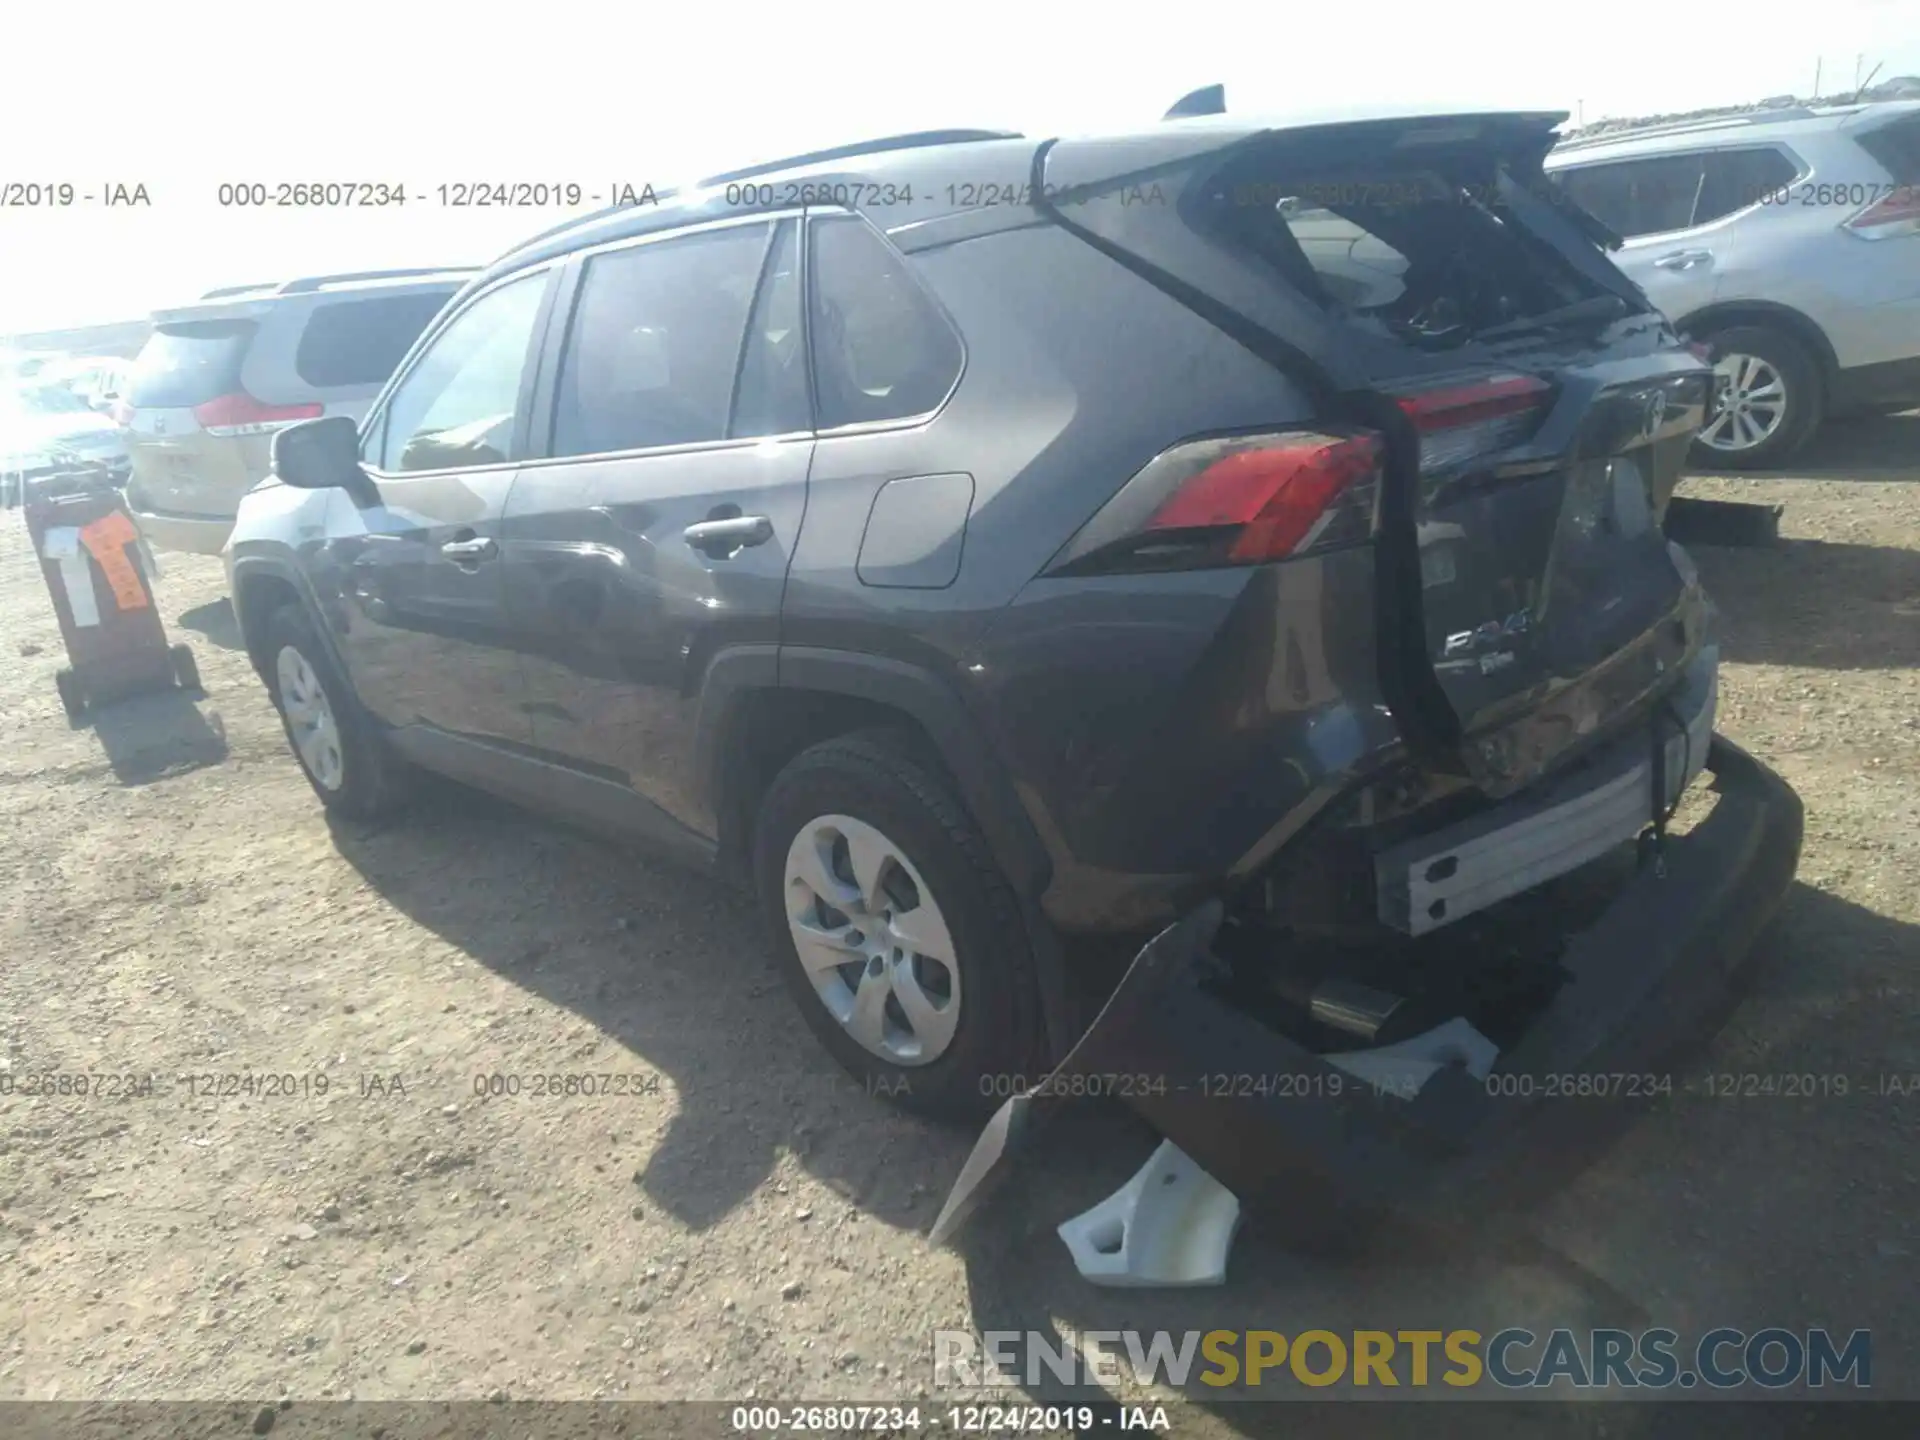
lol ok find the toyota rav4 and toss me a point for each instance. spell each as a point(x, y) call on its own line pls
point(967, 540)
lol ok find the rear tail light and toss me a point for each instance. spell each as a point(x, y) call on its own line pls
point(1240, 500)
point(1250, 499)
point(241, 414)
point(1462, 422)
point(1897, 214)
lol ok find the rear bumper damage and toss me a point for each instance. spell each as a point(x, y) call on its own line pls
point(1644, 978)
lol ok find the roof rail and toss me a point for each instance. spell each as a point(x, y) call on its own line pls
point(309, 283)
point(267, 285)
point(915, 140)
point(1698, 122)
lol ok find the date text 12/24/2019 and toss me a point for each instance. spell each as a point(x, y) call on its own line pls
point(997, 1420)
point(1332, 1084)
point(450, 195)
point(318, 1085)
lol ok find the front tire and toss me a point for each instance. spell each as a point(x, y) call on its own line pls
point(339, 746)
point(894, 929)
point(1768, 400)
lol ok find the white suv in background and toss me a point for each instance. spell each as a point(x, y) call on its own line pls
point(217, 378)
point(1786, 240)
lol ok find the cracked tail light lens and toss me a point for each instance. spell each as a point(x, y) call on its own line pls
point(1463, 422)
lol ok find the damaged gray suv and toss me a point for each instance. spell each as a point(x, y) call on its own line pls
point(1244, 532)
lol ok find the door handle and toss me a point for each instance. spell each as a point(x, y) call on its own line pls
point(468, 552)
point(729, 535)
point(1685, 259)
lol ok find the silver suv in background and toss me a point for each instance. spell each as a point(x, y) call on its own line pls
point(1788, 242)
point(217, 378)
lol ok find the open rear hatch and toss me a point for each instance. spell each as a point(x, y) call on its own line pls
point(1510, 415)
point(1424, 280)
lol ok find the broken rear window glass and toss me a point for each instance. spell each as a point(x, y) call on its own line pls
point(1434, 259)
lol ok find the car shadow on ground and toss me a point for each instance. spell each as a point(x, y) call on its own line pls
point(216, 621)
point(674, 968)
point(1870, 448)
point(1816, 603)
point(1700, 1225)
point(150, 737)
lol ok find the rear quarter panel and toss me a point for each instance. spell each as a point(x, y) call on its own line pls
point(1076, 375)
point(1155, 727)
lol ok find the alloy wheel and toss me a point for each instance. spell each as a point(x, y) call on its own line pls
point(1750, 404)
point(872, 940)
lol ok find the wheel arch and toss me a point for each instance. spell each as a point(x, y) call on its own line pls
point(1767, 314)
point(762, 705)
point(261, 585)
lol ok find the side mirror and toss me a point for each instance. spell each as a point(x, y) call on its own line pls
point(323, 454)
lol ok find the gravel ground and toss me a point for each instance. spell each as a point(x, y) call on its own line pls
point(742, 1221)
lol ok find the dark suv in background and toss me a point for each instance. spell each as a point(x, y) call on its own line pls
point(967, 539)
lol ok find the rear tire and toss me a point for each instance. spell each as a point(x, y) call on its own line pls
point(340, 747)
point(1771, 385)
point(932, 931)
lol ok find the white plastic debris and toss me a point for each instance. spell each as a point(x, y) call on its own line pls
point(1404, 1067)
point(1171, 1224)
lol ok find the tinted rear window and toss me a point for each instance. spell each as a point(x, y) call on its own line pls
point(361, 342)
point(1431, 259)
point(1897, 146)
point(189, 364)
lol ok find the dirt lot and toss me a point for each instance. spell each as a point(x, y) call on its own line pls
point(743, 1222)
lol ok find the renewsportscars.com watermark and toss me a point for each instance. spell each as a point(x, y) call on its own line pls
point(1512, 1359)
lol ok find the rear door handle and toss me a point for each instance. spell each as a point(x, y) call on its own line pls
point(729, 535)
point(1685, 259)
point(469, 552)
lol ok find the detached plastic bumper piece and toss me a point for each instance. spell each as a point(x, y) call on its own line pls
point(1171, 1224)
point(1643, 980)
